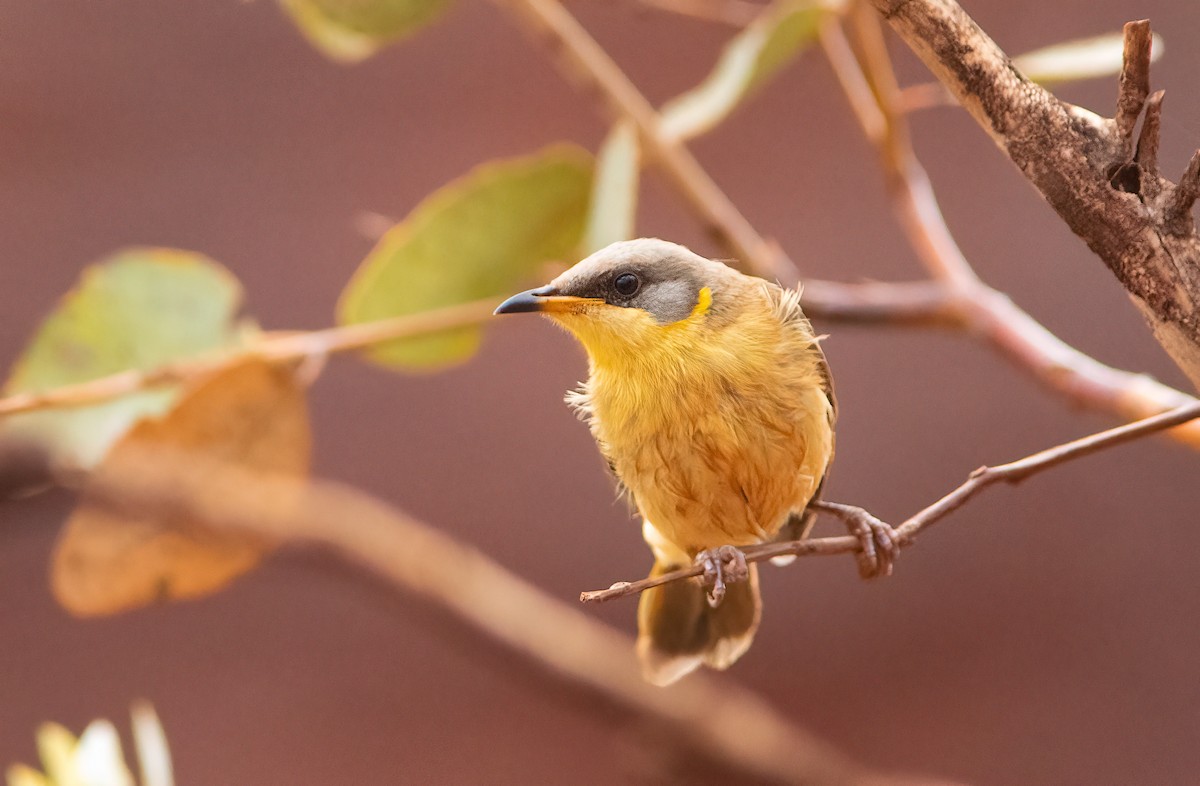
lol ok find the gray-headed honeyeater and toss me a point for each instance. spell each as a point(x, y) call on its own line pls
point(712, 402)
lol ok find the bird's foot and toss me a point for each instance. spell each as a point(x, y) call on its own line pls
point(722, 565)
point(879, 545)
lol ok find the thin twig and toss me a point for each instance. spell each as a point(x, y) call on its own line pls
point(707, 721)
point(910, 303)
point(904, 303)
point(909, 185)
point(288, 346)
point(1013, 472)
point(853, 81)
point(588, 63)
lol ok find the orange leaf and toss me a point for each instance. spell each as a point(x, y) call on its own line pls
point(251, 414)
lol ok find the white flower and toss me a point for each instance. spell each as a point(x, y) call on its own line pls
point(95, 759)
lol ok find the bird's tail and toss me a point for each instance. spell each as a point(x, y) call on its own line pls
point(678, 630)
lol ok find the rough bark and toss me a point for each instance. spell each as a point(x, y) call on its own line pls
point(1101, 181)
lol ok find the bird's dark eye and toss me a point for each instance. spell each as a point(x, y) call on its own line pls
point(626, 284)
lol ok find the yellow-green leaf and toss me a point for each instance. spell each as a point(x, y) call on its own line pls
point(1086, 58)
point(767, 44)
point(353, 30)
point(612, 214)
point(486, 234)
point(138, 309)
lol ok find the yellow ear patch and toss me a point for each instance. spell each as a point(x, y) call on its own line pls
point(703, 304)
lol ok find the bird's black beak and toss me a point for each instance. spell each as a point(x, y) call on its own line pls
point(527, 301)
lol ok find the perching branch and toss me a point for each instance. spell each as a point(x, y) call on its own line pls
point(1087, 167)
point(706, 724)
point(980, 479)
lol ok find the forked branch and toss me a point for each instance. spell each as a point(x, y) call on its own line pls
point(871, 89)
point(1104, 186)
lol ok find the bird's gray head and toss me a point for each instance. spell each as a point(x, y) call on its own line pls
point(664, 280)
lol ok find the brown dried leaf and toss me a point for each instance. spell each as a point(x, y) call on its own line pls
point(251, 414)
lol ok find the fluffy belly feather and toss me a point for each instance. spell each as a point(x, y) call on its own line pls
point(708, 469)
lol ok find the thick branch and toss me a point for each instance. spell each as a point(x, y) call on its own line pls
point(710, 721)
point(877, 103)
point(1013, 472)
point(1132, 222)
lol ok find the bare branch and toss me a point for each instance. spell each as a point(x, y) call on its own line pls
point(283, 347)
point(911, 191)
point(1013, 472)
point(707, 721)
point(586, 62)
point(1075, 158)
point(982, 310)
point(924, 303)
point(853, 81)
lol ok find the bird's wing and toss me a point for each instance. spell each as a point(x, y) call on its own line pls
point(787, 307)
point(786, 303)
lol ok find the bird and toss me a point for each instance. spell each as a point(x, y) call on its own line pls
point(710, 398)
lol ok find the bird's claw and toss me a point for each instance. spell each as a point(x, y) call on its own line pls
point(722, 566)
point(878, 544)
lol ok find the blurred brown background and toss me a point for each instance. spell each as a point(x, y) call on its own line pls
point(1045, 634)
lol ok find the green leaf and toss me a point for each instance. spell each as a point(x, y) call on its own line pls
point(353, 30)
point(1086, 58)
point(780, 33)
point(486, 234)
point(138, 309)
point(613, 212)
